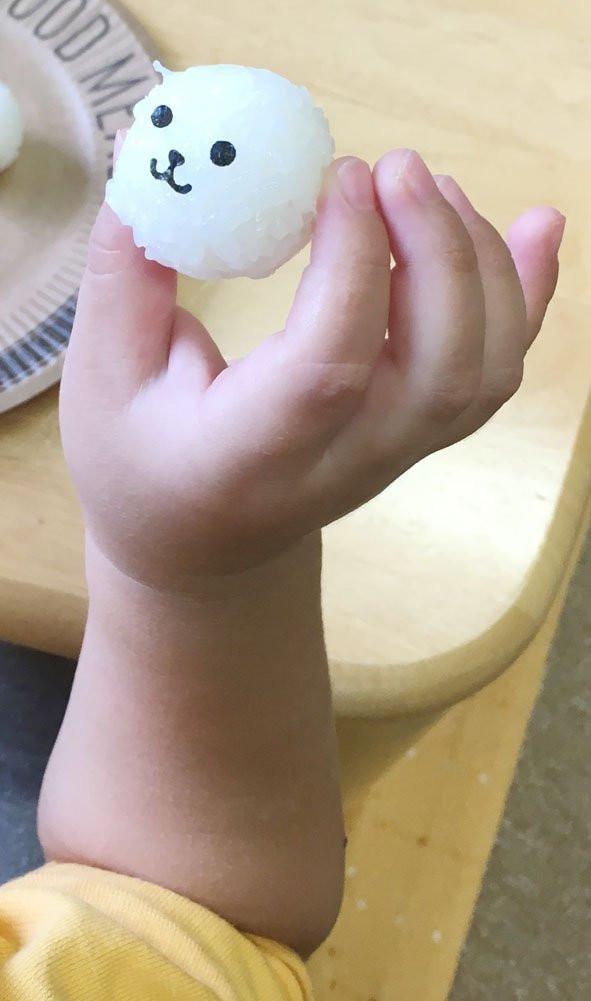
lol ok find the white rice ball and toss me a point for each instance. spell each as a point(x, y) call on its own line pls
point(221, 170)
point(11, 127)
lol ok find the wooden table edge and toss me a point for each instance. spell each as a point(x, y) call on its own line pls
point(431, 684)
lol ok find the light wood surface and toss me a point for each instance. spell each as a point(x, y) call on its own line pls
point(435, 586)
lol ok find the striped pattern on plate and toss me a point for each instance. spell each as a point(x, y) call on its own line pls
point(77, 69)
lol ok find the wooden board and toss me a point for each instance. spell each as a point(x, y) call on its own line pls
point(420, 837)
point(435, 586)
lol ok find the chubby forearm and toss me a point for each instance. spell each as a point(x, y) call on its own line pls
point(198, 749)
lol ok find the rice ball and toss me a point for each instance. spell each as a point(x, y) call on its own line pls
point(11, 127)
point(221, 170)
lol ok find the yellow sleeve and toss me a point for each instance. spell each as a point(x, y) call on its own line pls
point(74, 933)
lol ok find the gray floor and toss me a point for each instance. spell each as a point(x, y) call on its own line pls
point(34, 690)
point(531, 935)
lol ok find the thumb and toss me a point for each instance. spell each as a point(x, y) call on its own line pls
point(125, 313)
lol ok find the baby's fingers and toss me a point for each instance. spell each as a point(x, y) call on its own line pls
point(437, 311)
point(505, 345)
point(126, 307)
point(124, 317)
point(339, 317)
point(534, 241)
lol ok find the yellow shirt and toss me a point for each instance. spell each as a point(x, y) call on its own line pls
point(70, 932)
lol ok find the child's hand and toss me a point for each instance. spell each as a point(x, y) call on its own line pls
point(189, 466)
point(198, 751)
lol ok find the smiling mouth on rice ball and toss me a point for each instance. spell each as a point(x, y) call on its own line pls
point(175, 159)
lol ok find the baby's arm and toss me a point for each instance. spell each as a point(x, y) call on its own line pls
point(198, 750)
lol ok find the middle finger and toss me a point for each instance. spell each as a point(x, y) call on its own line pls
point(505, 322)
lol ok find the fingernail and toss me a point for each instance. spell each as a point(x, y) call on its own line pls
point(356, 184)
point(551, 223)
point(416, 176)
point(559, 230)
point(451, 190)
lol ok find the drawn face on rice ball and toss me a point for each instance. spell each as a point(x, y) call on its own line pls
point(221, 170)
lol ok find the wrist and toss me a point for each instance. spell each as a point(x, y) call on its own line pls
point(133, 621)
point(105, 576)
